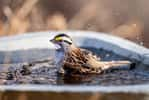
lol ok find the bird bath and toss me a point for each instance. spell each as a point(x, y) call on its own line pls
point(43, 82)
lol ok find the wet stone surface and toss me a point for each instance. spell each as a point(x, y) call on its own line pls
point(45, 72)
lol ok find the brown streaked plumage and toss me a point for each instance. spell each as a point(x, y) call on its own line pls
point(83, 62)
point(74, 60)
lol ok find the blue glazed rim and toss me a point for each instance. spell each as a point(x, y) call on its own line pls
point(91, 39)
point(40, 40)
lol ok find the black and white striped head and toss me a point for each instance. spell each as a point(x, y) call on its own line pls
point(62, 41)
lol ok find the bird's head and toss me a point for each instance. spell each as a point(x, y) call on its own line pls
point(62, 41)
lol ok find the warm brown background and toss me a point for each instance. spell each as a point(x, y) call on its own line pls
point(9, 95)
point(125, 18)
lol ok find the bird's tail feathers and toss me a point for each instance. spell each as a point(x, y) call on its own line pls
point(117, 63)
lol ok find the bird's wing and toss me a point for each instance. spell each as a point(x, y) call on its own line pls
point(90, 54)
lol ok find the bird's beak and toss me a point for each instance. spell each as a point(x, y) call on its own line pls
point(51, 40)
point(55, 45)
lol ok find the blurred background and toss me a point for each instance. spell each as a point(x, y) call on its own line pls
point(124, 18)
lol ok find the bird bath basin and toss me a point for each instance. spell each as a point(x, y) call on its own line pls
point(39, 78)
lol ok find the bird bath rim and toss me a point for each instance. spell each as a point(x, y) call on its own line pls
point(108, 42)
point(40, 40)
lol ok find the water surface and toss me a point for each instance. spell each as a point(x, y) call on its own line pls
point(45, 72)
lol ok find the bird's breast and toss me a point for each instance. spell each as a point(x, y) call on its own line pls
point(59, 57)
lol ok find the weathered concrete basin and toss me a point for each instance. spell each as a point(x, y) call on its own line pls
point(32, 47)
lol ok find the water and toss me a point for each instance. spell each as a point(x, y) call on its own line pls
point(45, 72)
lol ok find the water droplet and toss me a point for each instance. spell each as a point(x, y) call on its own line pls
point(141, 43)
point(107, 55)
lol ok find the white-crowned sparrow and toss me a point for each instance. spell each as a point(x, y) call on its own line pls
point(73, 60)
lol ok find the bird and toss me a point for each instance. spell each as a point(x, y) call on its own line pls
point(71, 59)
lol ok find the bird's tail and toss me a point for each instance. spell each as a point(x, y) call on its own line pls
point(107, 64)
point(116, 63)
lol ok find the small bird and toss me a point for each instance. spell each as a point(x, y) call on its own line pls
point(71, 59)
